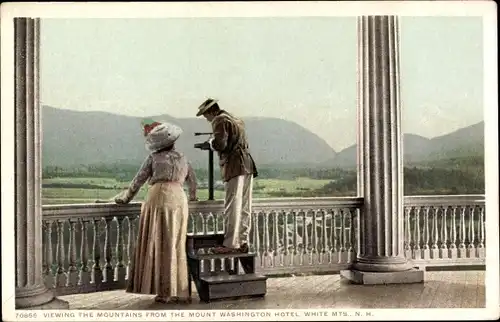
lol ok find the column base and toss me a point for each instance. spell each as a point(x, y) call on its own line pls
point(381, 264)
point(38, 298)
point(373, 278)
point(55, 304)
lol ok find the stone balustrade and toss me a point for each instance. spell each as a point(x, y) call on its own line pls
point(88, 248)
point(443, 230)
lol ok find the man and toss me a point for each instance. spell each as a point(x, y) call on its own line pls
point(237, 169)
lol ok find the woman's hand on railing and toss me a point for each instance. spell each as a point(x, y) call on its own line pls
point(122, 198)
point(120, 201)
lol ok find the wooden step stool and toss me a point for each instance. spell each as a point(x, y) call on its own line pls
point(226, 280)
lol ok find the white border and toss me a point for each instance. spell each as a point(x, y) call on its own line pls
point(486, 9)
point(248, 9)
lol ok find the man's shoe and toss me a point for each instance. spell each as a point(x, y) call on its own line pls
point(244, 248)
point(225, 250)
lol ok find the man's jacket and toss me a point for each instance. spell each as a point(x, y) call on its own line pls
point(230, 142)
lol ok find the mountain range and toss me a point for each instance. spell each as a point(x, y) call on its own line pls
point(72, 138)
point(467, 141)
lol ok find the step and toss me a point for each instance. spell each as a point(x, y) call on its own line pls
point(194, 242)
point(232, 286)
point(231, 262)
point(223, 278)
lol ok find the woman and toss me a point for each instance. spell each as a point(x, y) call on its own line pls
point(160, 265)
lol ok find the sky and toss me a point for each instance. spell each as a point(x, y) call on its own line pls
point(302, 69)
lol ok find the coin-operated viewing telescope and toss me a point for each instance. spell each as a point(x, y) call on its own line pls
point(206, 146)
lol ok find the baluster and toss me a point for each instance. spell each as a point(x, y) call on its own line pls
point(313, 259)
point(198, 224)
point(49, 257)
point(267, 243)
point(343, 255)
point(223, 229)
point(305, 237)
point(216, 224)
point(435, 234)
point(296, 238)
point(471, 248)
point(211, 223)
point(452, 251)
point(324, 237)
point(426, 251)
point(253, 230)
point(192, 219)
point(276, 239)
point(62, 278)
point(84, 276)
point(480, 253)
point(251, 234)
point(461, 245)
point(407, 233)
point(257, 246)
point(350, 238)
point(130, 246)
point(335, 257)
point(347, 231)
point(96, 267)
point(416, 245)
point(286, 236)
point(224, 225)
point(108, 268)
point(204, 223)
point(120, 270)
point(444, 234)
point(72, 271)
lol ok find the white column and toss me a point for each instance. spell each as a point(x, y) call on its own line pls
point(30, 289)
point(380, 257)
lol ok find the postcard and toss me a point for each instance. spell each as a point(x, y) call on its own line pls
point(206, 161)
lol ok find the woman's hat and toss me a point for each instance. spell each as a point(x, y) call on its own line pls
point(206, 105)
point(148, 125)
point(162, 136)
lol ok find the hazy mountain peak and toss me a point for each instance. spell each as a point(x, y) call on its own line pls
point(73, 137)
point(466, 141)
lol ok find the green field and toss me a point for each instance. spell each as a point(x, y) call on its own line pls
point(108, 188)
point(86, 184)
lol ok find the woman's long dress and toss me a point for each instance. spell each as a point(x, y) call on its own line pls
point(159, 265)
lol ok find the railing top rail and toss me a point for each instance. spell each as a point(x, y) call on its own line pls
point(445, 200)
point(276, 204)
point(269, 204)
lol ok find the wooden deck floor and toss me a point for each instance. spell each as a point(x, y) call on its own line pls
point(457, 289)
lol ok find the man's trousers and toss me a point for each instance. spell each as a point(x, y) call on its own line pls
point(238, 210)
